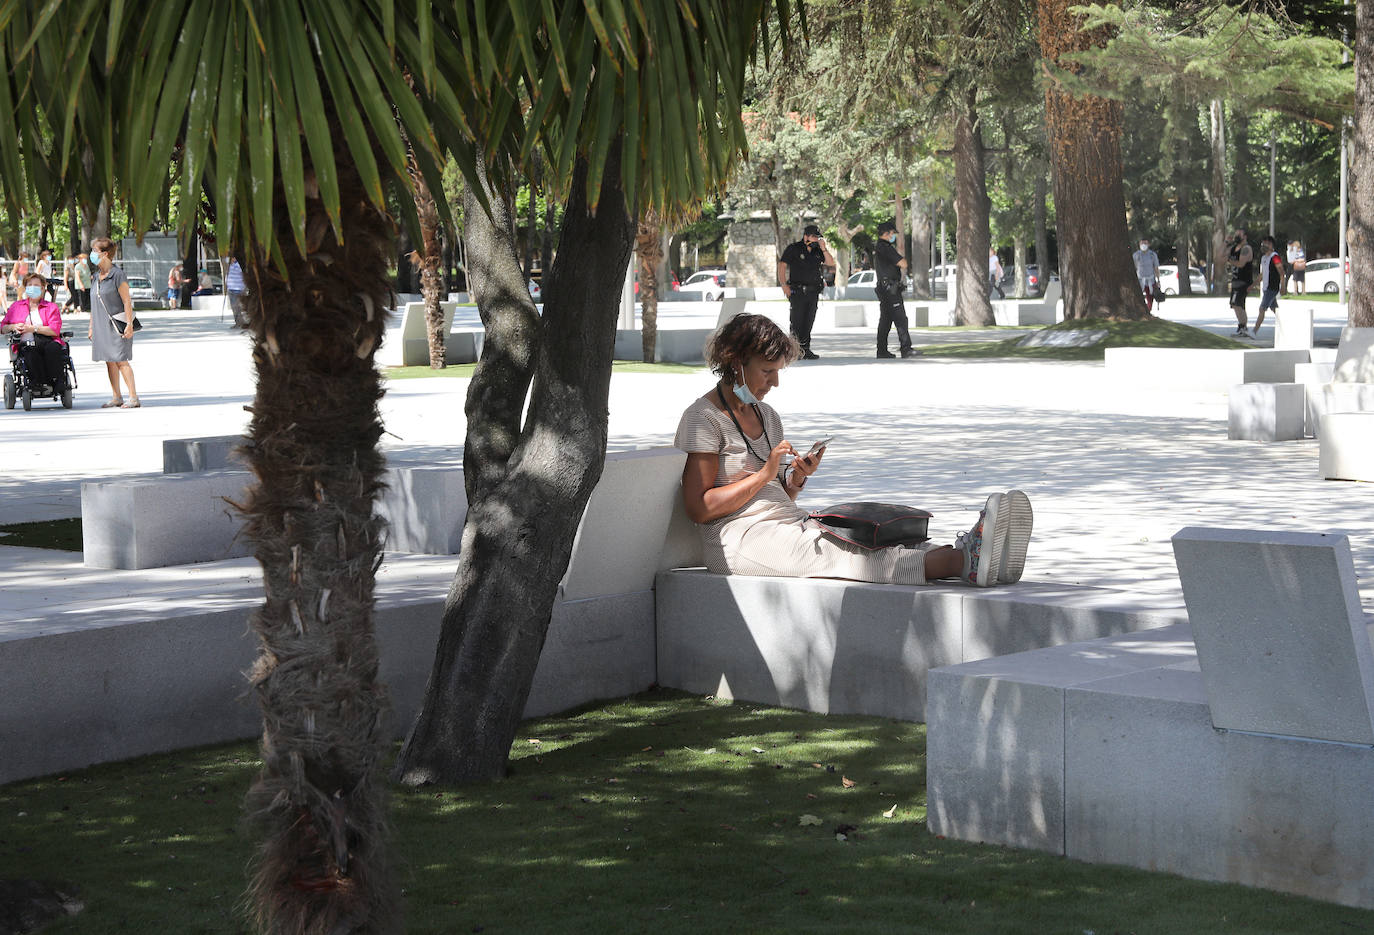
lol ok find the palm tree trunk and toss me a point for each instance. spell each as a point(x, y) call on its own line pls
point(429, 259)
point(313, 446)
point(526, 490)
point(649, 249)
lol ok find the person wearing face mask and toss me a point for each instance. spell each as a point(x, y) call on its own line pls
point(112, 324)
point(890, 267)
point(1147, 272)
point(801, 273)
point(38, 322)
point(742, 478)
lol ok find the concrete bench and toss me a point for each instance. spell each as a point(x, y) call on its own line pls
point(846, 647)
point(209, 453)
point(406, 343)
point(148, 665)
point(1204, 369)
point(1347, 446)
point(1017, 312)
point(1266, 412)
point(1233, 748)
point(179, 519)
point(1293, 328)
point(173, 519)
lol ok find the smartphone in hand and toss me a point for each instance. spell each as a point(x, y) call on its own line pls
point(820, 445)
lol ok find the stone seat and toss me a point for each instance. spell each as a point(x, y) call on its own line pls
point(1198, 368)
point(849, 647)
point(1235, 747)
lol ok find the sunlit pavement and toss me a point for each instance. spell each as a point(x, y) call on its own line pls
point(1113, 471)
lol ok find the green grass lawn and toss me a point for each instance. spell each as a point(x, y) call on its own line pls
point(64, 534)
point(662, 812)
point(1151, 332)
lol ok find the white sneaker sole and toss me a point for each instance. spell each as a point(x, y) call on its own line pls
point(996, 521)
point(1018, 536)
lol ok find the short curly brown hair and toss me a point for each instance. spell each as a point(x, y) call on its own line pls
point(744, 337)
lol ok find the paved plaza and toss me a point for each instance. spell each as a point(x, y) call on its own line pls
point(1113, 470)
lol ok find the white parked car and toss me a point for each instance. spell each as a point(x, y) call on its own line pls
point(141, 291)
point(1168, 280)
point(1325, 275)
point(709, 282)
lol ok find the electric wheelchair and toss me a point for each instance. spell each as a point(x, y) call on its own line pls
point(18, 386)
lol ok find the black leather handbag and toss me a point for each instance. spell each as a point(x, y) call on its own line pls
point(872, 525)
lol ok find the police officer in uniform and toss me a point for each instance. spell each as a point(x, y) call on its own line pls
point(801, 274)
point(890, 266)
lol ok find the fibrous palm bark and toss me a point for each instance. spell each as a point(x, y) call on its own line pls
point(312, 444)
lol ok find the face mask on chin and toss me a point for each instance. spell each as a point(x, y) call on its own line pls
point(746, 395)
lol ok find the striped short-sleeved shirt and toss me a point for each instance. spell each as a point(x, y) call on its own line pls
point(704, 429)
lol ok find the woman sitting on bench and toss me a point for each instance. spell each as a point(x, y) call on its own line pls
point(742, 478)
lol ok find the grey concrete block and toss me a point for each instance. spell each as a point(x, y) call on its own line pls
point(1266, 412)
point(1293, 328)
point(621, 537)
point(464, 346)
point(675, 345)
point(424, 508)
point(174, 519)
point(995, 735)
point(817, 644)
point(1002, 621)
point(1280, 634)
point(596, 648)
point(406, 342)
point(1344, 397)
point(1355, 356)
point(170, 678)
point(1150, 784)
point(1204, 369)
point(851, 314)
point(1313, 378)
point(110, 693)
point(211, 453)
point(1347, 446)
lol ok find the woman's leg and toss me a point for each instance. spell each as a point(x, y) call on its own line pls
point(112, 371)
point(126, 370)
point(34, 366)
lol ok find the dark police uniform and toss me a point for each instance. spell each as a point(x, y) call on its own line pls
point(806, 275)
point(891, 309)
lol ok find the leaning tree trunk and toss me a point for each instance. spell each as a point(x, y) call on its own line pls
point(524, 509)
point(971, 209)
point(316, 321)
point(1360, 236)
point(1084, 135)
point(428, 259)
point(649, 250)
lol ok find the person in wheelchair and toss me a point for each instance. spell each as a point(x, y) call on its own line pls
point(35, 325)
